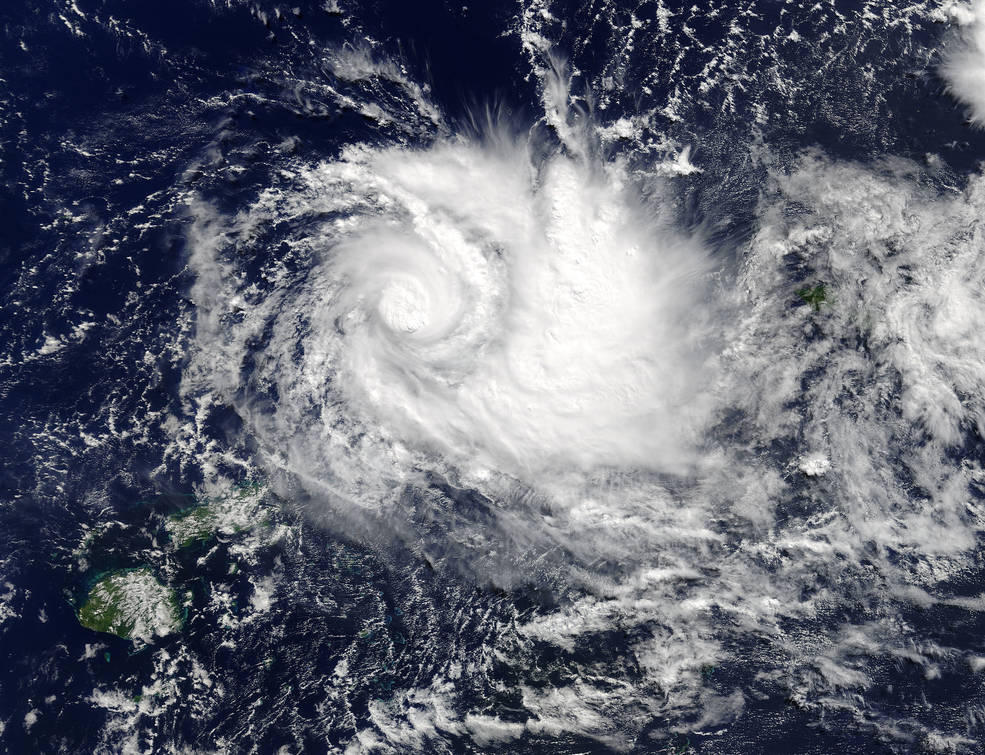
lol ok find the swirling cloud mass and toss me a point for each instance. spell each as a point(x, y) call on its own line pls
point(638, 406)
point(689, 449)
point(465, 303)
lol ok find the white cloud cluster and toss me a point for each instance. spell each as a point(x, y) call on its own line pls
point(526, 330)
point(964, 62)
point(509, 318)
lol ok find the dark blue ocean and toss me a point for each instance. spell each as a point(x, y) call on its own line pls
point(333, 602)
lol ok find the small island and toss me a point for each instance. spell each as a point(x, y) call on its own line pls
point(230, 514)
point(815, 296)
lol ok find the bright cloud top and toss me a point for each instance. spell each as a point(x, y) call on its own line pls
point(490, 353)
point(520, 320)
point(964, 66)
point(463, 304)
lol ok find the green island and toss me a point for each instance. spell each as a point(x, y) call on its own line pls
point(229, 514)
point(815, 296)
point(131, 604)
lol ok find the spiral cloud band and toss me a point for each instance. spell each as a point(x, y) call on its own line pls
point(461, 303)
point(508, 360)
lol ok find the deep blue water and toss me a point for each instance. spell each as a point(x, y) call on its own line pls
point(151, 120)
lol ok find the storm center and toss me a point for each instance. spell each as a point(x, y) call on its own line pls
point(404, 305)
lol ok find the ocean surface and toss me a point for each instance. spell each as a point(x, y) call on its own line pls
point(517, 377)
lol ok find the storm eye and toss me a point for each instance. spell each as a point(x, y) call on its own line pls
point(404, 305)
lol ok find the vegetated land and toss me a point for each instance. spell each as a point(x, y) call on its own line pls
point(131, 604)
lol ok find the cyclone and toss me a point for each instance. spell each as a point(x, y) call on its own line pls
point(506, 315)
point(663, 437)
point(499, 378)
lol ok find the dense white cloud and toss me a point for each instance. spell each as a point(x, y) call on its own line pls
point(511, 318)
point(964, 60)
point(528, 330)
